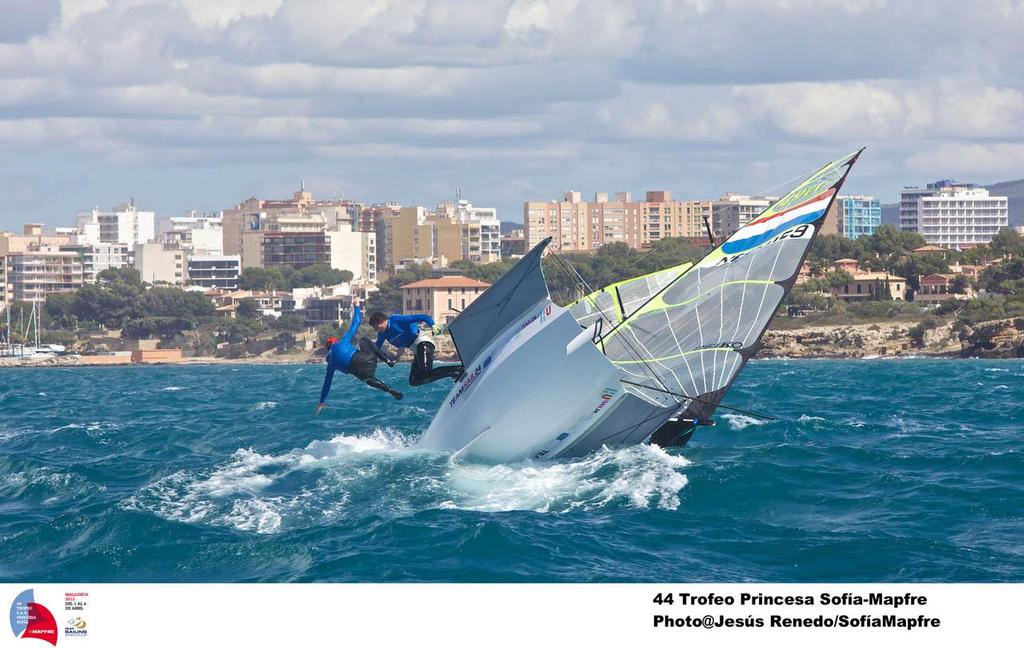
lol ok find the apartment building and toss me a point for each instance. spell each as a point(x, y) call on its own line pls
point(953, 215)
point(577, 225)
point(858, 215)
point(159, 263)
point(124, 224)
point(214, 271)
point(34, 273)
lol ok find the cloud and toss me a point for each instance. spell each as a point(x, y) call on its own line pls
point(22, 20)
point(970, 161)
point(697, 96)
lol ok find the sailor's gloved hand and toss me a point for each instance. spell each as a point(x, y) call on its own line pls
point(436, 329)
point(391, 363)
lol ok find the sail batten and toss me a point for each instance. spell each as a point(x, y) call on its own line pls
point(699, 328)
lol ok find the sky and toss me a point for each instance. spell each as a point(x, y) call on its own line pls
point(199, 104)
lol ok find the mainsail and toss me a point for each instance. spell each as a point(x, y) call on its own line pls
point(617, 301)
point(690, 340)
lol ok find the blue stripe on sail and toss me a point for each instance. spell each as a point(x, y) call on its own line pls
point(742, 245)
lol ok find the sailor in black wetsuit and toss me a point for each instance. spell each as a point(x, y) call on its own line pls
point(360, 362)
point(403, 332)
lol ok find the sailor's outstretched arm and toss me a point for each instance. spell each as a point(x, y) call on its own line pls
point(353, 327)
point(414, 319)
point(326, 388)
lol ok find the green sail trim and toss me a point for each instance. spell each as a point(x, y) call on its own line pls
point(641, 285)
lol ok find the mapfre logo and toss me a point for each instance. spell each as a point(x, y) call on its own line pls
point(32, 620)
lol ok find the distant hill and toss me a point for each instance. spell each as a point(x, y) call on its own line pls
point(1012, 189)
point(508, 226)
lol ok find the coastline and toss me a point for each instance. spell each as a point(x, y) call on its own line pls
point(997, 339)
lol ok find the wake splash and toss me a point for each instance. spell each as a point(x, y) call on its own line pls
point(385, 475)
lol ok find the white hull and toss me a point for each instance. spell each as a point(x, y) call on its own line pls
point(534, 401)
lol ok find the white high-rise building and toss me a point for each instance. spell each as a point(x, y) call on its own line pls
point(953, 215)
point(202, 234)
point(97, 257)
point(355, 252)
point(123, 224)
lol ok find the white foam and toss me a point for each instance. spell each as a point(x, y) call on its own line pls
point(264, 405)
point(256, 515)
point(740, 421)
point(173, 388)
point(334, 476)
point(804, 418)
point(380, 441)
point(639, 476)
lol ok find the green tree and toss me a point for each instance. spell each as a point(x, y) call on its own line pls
point(247, 308)
point(388, 298)
point(319, 274)
point(291, 323)
point(1007, 242)
point(837, 278)
point(128, 276)
point(263, 279)
point(242, 329)
point(961, 284)
point(167, 301)
point(995, 277)
point(162, 327)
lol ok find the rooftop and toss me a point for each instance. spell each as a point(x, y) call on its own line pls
point(457, 281)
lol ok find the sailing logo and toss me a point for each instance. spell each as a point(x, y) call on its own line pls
point(31, 620)
point(468, 381)
point(76, 627)
point(606, 397)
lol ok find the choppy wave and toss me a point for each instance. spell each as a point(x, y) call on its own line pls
point(887, 471)
point(326, 475)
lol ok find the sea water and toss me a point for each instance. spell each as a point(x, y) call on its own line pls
point(877, 470)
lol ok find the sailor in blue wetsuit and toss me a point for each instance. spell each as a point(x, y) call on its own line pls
point(360, 361)
point(403, 331)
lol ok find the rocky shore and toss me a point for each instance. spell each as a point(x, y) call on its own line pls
point(994, 339)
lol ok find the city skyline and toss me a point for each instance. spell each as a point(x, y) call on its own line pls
point(185, 105)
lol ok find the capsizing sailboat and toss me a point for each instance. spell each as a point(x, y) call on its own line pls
point(646, 359)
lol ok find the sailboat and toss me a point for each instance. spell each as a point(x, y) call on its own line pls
point(648, 359)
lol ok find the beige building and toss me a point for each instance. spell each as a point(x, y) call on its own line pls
point(576, 225)
point(869, 286)
point(32, 236)
point(441, 298)
point(33, 274)
point(285, 232)
point(450, 234)
point(938, 288)
point(159, 263)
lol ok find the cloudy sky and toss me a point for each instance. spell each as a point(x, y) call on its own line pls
point(198, 104)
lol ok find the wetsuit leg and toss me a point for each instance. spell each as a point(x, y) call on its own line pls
point(423, 371)
point(377, 383)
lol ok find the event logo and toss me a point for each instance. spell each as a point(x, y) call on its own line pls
point(31, 620)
